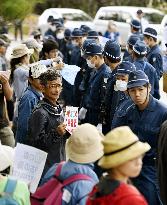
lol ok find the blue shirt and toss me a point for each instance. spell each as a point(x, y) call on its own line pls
point(150, 71)
point(94, 97)
point(154, 57)
point(27, 103)
point(145, 124)
point(80, 189)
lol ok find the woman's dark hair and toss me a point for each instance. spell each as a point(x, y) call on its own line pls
point(13, 63)
point(49, 75)
point(48, 45)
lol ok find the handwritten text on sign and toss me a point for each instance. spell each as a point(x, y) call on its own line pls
point(71, 118)
point(28, 165)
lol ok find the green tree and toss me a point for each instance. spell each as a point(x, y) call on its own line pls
point(18, 9)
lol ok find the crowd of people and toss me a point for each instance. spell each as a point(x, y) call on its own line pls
point(117, 153)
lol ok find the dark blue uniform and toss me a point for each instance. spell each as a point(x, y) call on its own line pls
point(146, 125)
point(110, 102)
point(150, 71)
point(155, 58)
point(94, 98)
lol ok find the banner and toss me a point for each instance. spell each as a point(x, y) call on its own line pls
point(71, 118)
point(28, 165)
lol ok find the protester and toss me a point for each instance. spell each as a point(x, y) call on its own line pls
point(6, 93)
point(122, 160)
point(37, 47)
point(80, 161)
point(145, 117)
point(3, 61)
point(46, 130)
point(29, 100)
point(20, 191)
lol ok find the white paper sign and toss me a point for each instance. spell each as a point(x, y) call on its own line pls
point(69, 73)
point(28, 165)
point(71, 118)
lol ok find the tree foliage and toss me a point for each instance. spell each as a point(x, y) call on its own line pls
point(18, 9)
point(91, 6)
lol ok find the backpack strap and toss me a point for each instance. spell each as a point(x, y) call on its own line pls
point(10, 186)
point(76, 177)
point(58, 169)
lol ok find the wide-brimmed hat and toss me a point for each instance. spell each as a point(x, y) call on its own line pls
point(20, 51)
point(85, 144)
point(120, 146)
point(33, 44)
point(6, 156)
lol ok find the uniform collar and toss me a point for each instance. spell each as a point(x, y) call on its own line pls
point(151, 104)
point(154, 47)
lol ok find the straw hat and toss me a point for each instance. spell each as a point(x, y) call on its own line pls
point(6, 156)
point(120, 146)
point(20, 51)
point(85, 144)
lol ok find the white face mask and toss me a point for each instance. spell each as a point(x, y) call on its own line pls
point(53, 28)
point(75, 43)
point(91, 65)
point(60, 35)
point(120, 85)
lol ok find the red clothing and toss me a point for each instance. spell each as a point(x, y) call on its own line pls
point(123, 194)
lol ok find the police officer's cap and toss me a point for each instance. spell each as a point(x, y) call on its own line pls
point(86, 42)
point(125, 68)
point(137, 78)
point(85, 29)
point(59, 26)
point(132, 39)
point(92, 34)
point(150, 32)
point(76, 33)
point(67, 32)
point(92, 49)
point(140, 48)
point(112, 49)
point(135, 23)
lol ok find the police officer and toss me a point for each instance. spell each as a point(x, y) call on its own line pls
point(112, 57)
point(94, 58)
point(77, 59)
point(93, 35)
point(154, 55)
point(129, 47)
point(77, 41)
point(138, 56)
point(145, 117)
point(135, 27)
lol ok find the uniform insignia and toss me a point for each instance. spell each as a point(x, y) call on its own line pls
point(154, 59)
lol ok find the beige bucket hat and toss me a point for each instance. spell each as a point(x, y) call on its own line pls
point(85, 144)
point(120, 146)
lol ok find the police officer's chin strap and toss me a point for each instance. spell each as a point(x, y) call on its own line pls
point(147, 94)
